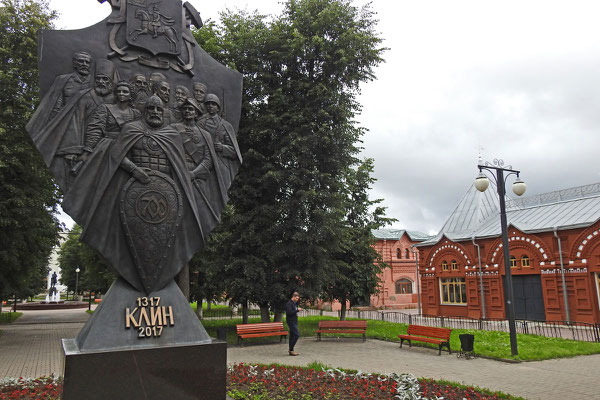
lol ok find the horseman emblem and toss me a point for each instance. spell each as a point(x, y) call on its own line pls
point(155, 25)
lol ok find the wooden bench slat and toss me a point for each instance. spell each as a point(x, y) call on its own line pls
point(429, 334)
point(249, 335)
point(355, 326)
point(263, 329)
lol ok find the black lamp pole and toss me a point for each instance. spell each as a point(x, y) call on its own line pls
point(501, 186)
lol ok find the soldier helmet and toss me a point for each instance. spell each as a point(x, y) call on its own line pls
point(212, 98)
point(154, 100)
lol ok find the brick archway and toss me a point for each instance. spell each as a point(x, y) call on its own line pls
point(532, 245)
point(448, 248)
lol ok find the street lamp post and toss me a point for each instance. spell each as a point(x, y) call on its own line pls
point(416, 253)
point(76, 280)
point(481, 183)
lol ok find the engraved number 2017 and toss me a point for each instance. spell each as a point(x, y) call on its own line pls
point(150, 331)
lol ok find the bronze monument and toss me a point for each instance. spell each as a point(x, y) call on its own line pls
point(131, 128)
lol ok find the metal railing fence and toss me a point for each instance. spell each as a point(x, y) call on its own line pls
point(580, 331)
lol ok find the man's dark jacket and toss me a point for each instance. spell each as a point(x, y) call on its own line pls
point(291, 312)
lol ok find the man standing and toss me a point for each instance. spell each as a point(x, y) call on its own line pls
point(291, 316)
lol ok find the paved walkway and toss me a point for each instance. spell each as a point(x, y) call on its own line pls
point(31, 348)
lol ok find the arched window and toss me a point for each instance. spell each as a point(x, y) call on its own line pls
point(398, 253)
point(406, 254)
point(513, 262)
point(524, 261)
point(454, 265)
point(444, 266)
point(403, 286)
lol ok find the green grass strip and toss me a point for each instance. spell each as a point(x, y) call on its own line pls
point(9, 317)
point(490, 344)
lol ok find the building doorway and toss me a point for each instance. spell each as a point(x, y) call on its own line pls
point(528, 296)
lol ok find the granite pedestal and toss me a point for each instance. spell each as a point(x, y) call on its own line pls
point(173, 372)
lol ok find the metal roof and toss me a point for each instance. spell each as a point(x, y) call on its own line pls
point(396, 234)
point(477, 214)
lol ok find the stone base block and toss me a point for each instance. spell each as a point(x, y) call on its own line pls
point(173, 372)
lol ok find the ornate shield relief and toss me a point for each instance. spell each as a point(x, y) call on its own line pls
point(150, 213)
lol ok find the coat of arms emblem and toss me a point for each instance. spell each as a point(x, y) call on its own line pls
point(154, 26)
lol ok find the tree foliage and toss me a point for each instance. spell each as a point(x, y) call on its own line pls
point(28, 198)
point(94, 274)
point(291, 202)
point(353, 276)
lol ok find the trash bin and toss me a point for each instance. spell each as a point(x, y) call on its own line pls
point(222, 334)
point(466, 342)
point(466, 345)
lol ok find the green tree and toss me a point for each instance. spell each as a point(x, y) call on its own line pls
point(28, 198)
point(302, 73)
point(204, 272)
point(354, 274)
point(94, 274)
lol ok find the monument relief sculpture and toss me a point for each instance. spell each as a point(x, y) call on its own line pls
point(229, 157)
point(147, 179)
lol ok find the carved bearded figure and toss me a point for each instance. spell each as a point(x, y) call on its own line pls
point(145, 198)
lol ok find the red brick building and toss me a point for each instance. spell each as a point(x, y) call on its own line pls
point(550, 236)
point(399, 282)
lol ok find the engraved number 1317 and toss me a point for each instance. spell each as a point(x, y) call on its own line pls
point(148, 301)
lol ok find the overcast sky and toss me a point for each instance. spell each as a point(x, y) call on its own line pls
point(518, 79)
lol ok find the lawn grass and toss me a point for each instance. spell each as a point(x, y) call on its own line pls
point(216, 307)
point(8, 317)
point(491, 344)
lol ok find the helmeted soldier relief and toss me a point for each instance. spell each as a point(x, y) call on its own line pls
point(229, 157)
point(200, 157)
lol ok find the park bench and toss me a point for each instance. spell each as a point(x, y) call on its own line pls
point(264, 329)
point(357, 326)
point(429, 334)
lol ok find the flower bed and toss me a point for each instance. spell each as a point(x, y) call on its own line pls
point(259, 382)
point(47, 388)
